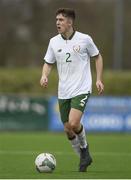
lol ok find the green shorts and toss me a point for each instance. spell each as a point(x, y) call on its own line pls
point(78, 102)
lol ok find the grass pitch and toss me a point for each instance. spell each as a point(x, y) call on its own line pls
point(111, 156)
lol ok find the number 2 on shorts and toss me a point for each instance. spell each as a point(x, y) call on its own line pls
point(84, 100)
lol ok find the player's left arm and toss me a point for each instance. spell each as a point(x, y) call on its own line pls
point(99, 73)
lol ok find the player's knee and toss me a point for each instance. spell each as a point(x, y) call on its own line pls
point(74, 126)
point(67, 128)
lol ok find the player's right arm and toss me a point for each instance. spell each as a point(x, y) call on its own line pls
point(45, 73)
point(49, 61)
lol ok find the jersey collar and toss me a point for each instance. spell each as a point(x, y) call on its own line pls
point(71, 36)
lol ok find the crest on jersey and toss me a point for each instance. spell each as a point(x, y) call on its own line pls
point(76, 48)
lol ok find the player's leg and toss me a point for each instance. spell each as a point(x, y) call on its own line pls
point(77, 107)
point(64, 106)
point(72, 137)
point(75, 123)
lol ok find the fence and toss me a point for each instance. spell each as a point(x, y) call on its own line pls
point(37, 113)
point(23, 113)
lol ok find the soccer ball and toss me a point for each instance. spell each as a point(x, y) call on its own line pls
point(45, 162)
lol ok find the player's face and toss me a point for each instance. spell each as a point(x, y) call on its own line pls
point(63, 24)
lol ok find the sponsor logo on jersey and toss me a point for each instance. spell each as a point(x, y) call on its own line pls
point(59, 50)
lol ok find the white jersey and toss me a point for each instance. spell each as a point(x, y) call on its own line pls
point(73, 63)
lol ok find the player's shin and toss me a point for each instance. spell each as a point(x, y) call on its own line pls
point(81, 135)
point(85, 157)
point(75, 144)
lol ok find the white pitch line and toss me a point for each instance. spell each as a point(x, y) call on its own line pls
point(4, 152)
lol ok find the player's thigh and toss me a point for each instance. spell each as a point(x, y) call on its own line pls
point(75, 117)
point(64, 107)
point(78, 105)
point(79, 102)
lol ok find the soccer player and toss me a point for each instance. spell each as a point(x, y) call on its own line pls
point(72, 52)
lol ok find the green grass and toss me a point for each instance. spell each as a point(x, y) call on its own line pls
point(18, 150)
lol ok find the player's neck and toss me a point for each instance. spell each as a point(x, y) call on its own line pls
point(68, 34)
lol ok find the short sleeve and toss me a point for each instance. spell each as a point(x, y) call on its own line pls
point(49, 56)
point(92, 49)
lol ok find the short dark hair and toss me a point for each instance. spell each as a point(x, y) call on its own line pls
point(67, 12)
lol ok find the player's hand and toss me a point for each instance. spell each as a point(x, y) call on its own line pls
point(44, 81)
point(100, 87)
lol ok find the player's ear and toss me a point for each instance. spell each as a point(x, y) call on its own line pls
point(70, 21)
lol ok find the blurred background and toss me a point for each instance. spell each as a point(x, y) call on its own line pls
point(25, 30)
point(29, 114)
point(27, 26)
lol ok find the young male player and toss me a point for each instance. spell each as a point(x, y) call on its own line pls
point(72, 50)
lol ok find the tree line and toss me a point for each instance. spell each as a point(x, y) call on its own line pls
point(27, 25)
